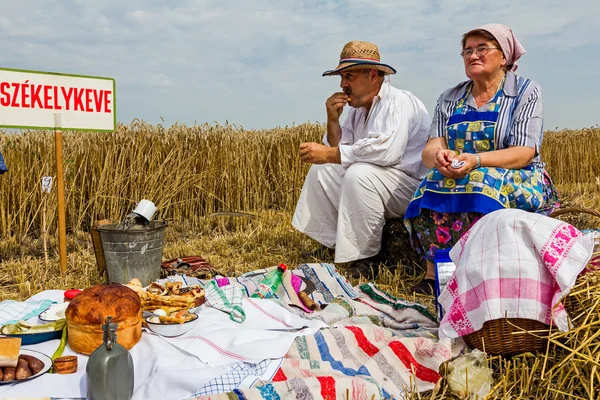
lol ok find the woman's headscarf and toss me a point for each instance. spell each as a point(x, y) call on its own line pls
point(511, 47)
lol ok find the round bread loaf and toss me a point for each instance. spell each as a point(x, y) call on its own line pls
point(88, 311)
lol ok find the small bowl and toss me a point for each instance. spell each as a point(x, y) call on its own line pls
point(196, 309)
point(172, 330)
point(43, 316)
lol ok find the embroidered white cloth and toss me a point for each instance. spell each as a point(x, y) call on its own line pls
point(516, 264)
point(175, 368)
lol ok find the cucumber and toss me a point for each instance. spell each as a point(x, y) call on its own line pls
point(10, 329)
point(23, 327)
point(61, 345)
point(24, 324)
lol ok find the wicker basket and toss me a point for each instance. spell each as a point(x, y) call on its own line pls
point(511, 336)
point(501, 337)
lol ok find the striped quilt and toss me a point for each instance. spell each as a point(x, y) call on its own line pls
point(352, 362)
point(378, 346)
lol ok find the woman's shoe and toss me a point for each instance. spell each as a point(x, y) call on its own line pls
point(424, 287)
point(366, 268)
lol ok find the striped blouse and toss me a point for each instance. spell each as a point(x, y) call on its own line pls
point(519, 123)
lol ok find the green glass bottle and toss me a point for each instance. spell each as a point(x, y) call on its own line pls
point(109, 369)
point(270, 284)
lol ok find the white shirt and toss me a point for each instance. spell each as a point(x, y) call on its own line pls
point(393, 134)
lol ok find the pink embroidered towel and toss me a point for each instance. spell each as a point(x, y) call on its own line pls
point(516, 264)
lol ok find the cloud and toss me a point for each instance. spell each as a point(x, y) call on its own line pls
point(259, 63)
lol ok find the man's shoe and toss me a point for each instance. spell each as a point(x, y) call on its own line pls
point(424, 287)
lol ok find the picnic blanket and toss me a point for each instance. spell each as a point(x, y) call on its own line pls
point(396, 333)
point(513, 264)
point(378, 346)
point(352, 362)
point(341, 303)
point(369, 343)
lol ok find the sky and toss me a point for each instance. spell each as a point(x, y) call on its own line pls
point(258, 63)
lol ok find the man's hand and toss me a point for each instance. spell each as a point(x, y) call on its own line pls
point(335, 105)
point(316, 153)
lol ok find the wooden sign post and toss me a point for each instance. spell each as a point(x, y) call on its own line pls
point(60, 191)
point(55, 101)
point(46, 188)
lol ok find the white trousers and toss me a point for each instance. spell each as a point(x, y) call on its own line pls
point(346, 209)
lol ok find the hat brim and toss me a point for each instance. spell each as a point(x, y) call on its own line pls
point(359, 65)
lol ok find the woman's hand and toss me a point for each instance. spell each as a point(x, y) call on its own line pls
point(470, 162)
point(442, 161)
point(443, 158)
point(516, 157)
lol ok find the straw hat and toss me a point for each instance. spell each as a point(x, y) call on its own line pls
point(356, 55)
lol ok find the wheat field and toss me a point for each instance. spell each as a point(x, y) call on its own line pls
point(195, 174)
point(191, 172)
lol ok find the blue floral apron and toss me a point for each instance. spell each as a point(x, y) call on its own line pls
point(3, 168)
point(485, 189)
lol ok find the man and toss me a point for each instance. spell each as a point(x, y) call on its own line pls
point(369, 168)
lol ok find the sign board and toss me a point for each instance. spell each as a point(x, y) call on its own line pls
point(29, 100)
point(46, 184)
point(54, 101)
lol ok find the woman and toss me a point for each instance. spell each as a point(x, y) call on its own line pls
point(483, 148)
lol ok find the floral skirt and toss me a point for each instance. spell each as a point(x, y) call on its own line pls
point(431, 230)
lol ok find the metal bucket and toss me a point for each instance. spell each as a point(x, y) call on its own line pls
point(133, 253)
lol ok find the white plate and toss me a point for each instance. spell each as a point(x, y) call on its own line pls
point(40, 356)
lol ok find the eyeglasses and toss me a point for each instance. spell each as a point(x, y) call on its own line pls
point(480, 51)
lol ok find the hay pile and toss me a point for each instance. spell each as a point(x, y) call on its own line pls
point(573, 369)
